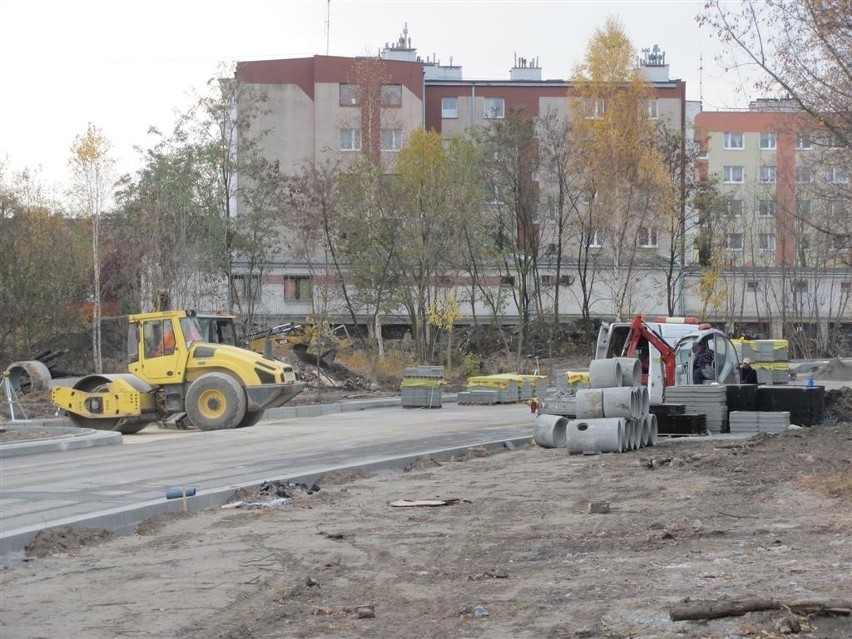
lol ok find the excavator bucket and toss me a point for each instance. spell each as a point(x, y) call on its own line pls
point(325, 360)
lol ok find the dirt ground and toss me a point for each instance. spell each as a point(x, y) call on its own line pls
point(514, 552)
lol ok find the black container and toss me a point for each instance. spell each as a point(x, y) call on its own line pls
point(742, 397)
point(806, 405)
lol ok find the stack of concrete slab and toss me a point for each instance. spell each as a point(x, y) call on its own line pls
point(759, 421)
point(421, 387)
point(532, 386)
point(506, 386)
point(477, 397)
point(565, 379)
point(707, 399)
point(770, 358)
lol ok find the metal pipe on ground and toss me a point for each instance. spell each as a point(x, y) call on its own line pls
point(549, 431)
point(595, 435)
point(605, 373)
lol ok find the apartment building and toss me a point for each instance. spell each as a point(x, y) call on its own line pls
point(315, 114)
point(784, 246)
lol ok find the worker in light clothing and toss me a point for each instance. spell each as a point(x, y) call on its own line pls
point(747, 374)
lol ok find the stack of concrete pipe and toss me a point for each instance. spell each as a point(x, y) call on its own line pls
point(612, 415)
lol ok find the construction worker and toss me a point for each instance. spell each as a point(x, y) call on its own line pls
point(702, 360)
point(747, 374)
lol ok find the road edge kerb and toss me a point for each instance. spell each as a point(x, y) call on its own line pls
point(125, 520)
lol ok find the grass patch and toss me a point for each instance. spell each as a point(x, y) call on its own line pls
point(836, 485)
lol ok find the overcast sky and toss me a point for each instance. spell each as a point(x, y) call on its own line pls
point(126, 66)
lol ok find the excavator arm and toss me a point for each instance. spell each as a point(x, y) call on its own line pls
point(638, 330)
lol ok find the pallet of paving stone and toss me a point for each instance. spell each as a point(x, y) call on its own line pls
point(763, 350)
point(477, 397)
point(742, 397)
point(707, 399)
point(683, 424)
point(806, 405)
point(421, 397)
point(746, 422)
point(423, 372)
point(667, 409)
point(566, 379)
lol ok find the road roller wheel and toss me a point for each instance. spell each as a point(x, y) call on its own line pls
point(215, 401)
point(251, 418)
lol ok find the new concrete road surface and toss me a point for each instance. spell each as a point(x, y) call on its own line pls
point(117, 486)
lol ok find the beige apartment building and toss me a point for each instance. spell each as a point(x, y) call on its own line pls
point(784, 253)
point(315, 116)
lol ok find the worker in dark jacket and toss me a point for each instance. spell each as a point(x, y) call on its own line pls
point(747, 374)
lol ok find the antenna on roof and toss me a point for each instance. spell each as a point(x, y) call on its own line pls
point(327, 25)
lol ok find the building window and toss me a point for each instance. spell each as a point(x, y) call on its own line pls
point(840, 242)
point(799, 286)
point(735, 206)
point(734, 141)
point(350, 139)
point(391, 139)
point(507, 280)
point(803, 174)
point(449, 107)
point(836, 209)
point(803, 208)
point(734, 241)
point(653, 109)
point(733, 174)
point(803, 141)
point(246, 287)
point(767, 141)
point(767, 208)
point(835, 141)
point(350, 95)
point(495, 108)
point(593, 109)
point(297, 287)
point(391, 95)
point(767, 174)
point(753, 285)
point(550, 280)
point(647, 237)
point(766, 241)
point(835, 175)
point(594, 239)
point(846, 286)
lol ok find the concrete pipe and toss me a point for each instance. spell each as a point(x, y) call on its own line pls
point(549, 431)
point(605, 373)
point(28, 376)
point(651, 427)
point(595, 436)
point(638, 427)
point(646, 400)
point(631, 371)
point(589, 403)
point(618, 402)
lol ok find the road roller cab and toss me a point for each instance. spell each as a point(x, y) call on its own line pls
point(174, 376)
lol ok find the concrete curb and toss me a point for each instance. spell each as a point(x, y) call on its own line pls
point(125, 520)
point(88, 438)
point(68, 437)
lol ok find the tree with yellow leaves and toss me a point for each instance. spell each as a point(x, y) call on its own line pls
point(614, 151)
point(92, 171)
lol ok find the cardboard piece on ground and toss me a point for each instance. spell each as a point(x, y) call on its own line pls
point(411, 503)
